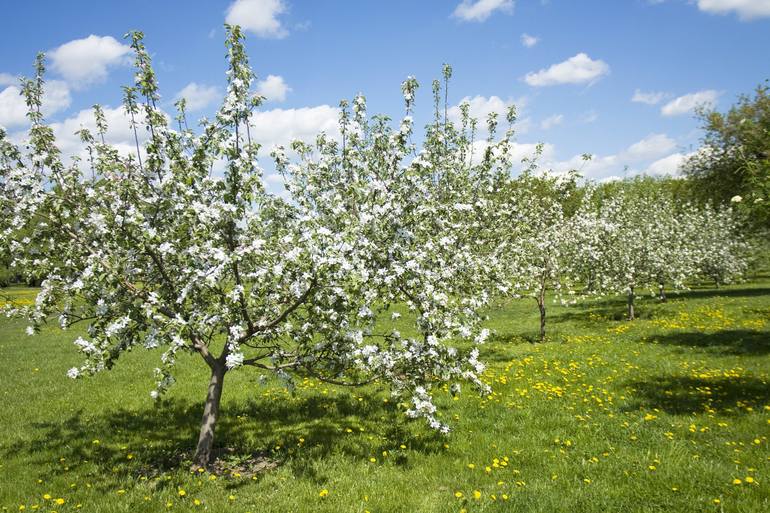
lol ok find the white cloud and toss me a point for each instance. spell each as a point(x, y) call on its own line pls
point(598, 167)
point(482, 106)
point(652, 146)
point(629, 160)
point(651, 98)
point(529, 41)
point(119, 133)
point(579, 69)
point(745, 9)
point(688, 102)
point(8, 79)
point(551, 121)
point(480, 10)
point(518, 152)
point(273, 88)
point(259, 17)
point(281, 126)
point(85, 61)
point(667, 166)
point(198, 96)
point(13, 110)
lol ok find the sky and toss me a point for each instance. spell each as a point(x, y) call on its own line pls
point(618, 79)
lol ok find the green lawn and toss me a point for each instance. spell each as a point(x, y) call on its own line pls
point(663, 414)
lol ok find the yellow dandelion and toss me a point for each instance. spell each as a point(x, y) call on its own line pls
point(323, 493)
point(459, 495)
point(476, 494)
point(737, 481)
point(59, 501)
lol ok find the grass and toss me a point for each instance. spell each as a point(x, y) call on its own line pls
point(662, 414)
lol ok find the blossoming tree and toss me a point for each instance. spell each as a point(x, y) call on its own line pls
point(635, 236)
point(156, 250)
point(619, 237)
point(539, 244)
point(720, 251)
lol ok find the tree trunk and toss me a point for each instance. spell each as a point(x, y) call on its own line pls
point(631, 303)
point(210, 416)
point(662, 291)
point(541, 306)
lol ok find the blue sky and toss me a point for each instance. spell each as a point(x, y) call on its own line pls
point(617, 79)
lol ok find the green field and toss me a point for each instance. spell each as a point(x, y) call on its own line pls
point(668, 413)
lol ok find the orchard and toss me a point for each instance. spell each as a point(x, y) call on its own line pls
point(468, 326)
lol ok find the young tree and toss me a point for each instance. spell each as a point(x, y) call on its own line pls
point(621, 243)
point(153, 249)
point(540, 241)
point(719, 250)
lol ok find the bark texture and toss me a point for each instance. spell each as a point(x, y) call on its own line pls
point(210, 417)
point(541, 306)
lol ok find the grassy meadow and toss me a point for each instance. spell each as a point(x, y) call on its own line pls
point(669, 413)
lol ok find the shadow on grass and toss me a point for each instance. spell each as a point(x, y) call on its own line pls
point(686, 395)
point(727, 342)
point(294, 432)
point(647, 306)
point(611, 310)
point(724, 292)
